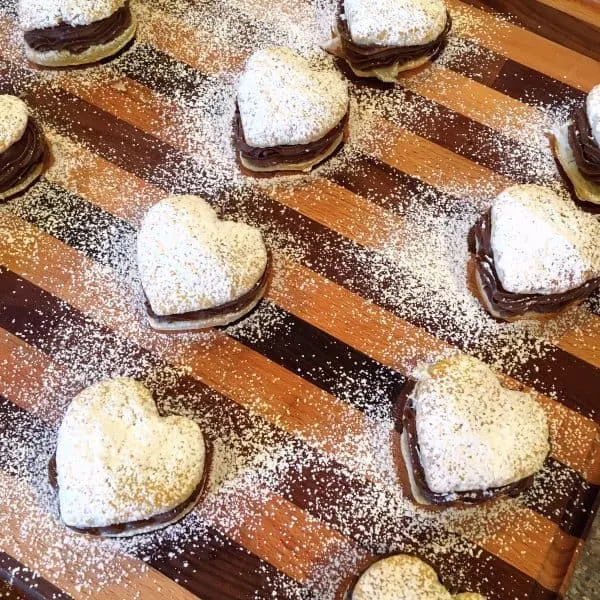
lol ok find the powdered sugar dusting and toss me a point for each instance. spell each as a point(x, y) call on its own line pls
point(542, 243)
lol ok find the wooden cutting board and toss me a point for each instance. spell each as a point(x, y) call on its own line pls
point(64, 296)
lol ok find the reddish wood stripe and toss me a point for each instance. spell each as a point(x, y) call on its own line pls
point(545, 20)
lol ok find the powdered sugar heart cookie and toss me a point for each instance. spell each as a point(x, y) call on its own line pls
point(59, 33)
point(199, 271)
point(381, 38)
point(467, 438)
point(121, 468)
point(291, 115)
point(23, 147)
point(402, 577)
point(535, 253)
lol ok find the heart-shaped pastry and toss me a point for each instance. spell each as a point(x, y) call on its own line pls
point(23, 147)
point(577, 147)
point(291, 115)
point(74, 32)
point(199, 271)
point(121, 468)
point(467, 438)
point(535, 253)
point(381, 38)
point(402, 577)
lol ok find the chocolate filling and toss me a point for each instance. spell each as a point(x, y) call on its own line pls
point(369, 57)
point(584, 146)
point(406, 422)
point(284, 155)
point(166, 517)
point(224, 309)
point(509, 304)
point(79, 38)
point(19, 161)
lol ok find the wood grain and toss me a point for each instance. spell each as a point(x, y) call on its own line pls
point(128, 134)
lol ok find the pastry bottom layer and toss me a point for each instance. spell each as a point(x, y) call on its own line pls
point(64, 58)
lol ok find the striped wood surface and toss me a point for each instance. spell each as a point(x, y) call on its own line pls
point(115, 134)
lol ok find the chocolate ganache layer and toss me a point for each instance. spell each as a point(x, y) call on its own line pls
point(584, 146)
point(19, 161)
point(284, 155)
point(508, 304)
point(224, 309)
point(406, 423)
point(367, 58)
point(80, 38)
point(158, 519)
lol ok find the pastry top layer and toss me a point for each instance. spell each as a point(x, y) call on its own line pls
point(14, 115)
point(119, 461)
point(541, 243)
point(474, 434)
point(42, 14)
point(191, 260)
point(400, 576)
point(395, 22)
point(284, 100)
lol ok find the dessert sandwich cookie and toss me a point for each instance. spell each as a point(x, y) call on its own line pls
point(23, 147)
point(289, 116)
point(122, 469)
point(198, 271)
point(465, 438)
point(534, 254)
point(60, 33)
point(577, 148)
point(402, 577)
point(381, 38)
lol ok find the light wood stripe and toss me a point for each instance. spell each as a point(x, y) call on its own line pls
point(526, 47)
point(472, 99)
point(584, 10)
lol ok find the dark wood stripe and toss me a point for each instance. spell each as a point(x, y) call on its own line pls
point(7, 592)
point(161, 72)
point(321, 487)
point(100, 235)
point(326, 362)
point(475, 62)
point(563, 496)
point(388, 187)
point(455, 132)
point(25, 583)
point(544, 20)
point(535, 88)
